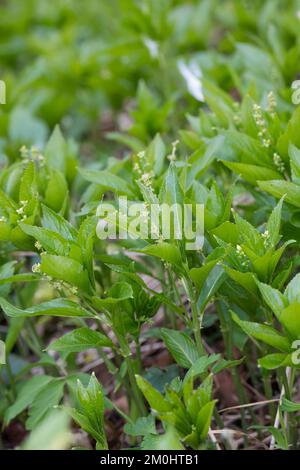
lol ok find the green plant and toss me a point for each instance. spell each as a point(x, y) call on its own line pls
point(174, 103)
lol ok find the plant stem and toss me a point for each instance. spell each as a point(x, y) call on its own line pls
point(196, 318)
point(269, 394)
point(235, 375)
point(138, 356)
point(108, 362)
point(136, 393)
point(11, 377)
point(288, 377)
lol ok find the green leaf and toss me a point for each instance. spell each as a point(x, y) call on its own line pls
point(226, 364)
point(290, 319)
point(142, 427)
point(51, 434)
point(200, 160)
point(168, 441)
point(227, 232)
point(79, 340)
point(15, 325)
point(2, 353)
point(180, 346)
point(249, 235)
point(171, 192)
point(119, 292)
point(294, 153)
point(263, 333)
point(253, 173)
point(219, 101)
point(213, 282)
point(127, 140)
point(56, 307)
point(246, 280)
point(290, 136)
point(82, 421)
point(280, 188)
point(274, 222)
point(6, 274)
point(200, 366)
point(248, 149)
point(23, 277)
point(26, 395)
point(289, 406)
point(48, 397)
point(273, 298)
point(204, 419)
point(108, 181)
point(51, 241)
point(165, 251)
point(91, 400)
point(28, 190)
point(190, 139)
point(292, 291)
point(55, 150)
point(86, 239)
point(56, 192)
point(66, 269)
point(56, 223)
point(199, 275)
point(155, 399)
point(155, 154)
point(6, 203)
point(274, 361)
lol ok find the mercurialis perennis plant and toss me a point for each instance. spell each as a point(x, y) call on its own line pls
point(149, 225)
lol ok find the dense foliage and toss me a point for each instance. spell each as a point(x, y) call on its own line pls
point(139, 342)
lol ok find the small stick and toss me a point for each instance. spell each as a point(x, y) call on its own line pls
point(248, 405)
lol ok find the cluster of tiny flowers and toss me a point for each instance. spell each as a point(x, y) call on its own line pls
point(278, 162)
point(272, 104)
point(261, 124)
point(57, 284)
point(145, 176)
point(21, 210)
point(2, 218)
point(141, 167)
point(72, 289)
point(172, 156)
point(241, 255)
point(36, 268)
point(266, 237)
point(146, 179)
point(38, 245)
point(60, 285)
point(32, 154)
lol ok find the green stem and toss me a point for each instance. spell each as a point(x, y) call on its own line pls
point(138, 356)
point(136, 393)
point(11, 378)
point(269, 394)
point(196, 318)
point(235, 375)
point(172, 294)
point(120, 412)
point(108, 362)
point(292, 432)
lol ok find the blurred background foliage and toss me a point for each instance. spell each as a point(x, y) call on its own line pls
point(87, 66)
